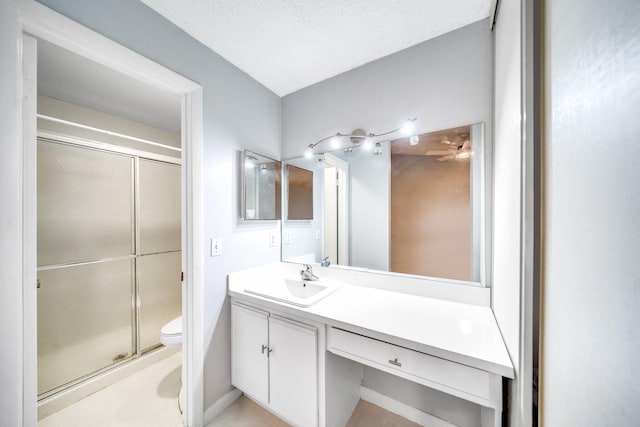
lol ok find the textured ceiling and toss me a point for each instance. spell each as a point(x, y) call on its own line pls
point(290, 44)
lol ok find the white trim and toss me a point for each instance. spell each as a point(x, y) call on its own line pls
point(40, 22)
point(220, 405)
point(28, 82)
point(399, 408)
point(193, 259)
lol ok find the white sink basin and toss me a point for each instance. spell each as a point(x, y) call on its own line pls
point(302, 293)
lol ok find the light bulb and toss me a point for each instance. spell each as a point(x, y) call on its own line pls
point(414, 139)
point(367, 144)
point(248, 163)
point(335, 142)
point(308, 153)
point(377, 149)
point(408, 127)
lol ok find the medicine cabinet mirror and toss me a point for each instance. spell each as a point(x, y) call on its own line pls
point(411, 206)
point(261, 187)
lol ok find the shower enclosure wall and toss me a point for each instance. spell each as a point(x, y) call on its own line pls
point(109, 257)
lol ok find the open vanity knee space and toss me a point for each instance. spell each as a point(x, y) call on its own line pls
point(305, 363)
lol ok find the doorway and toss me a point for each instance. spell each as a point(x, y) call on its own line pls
point(39, 23)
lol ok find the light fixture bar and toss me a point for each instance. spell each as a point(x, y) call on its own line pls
point(358, 138)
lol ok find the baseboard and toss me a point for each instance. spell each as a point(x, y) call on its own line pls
point(220, 405)
point(397, 407)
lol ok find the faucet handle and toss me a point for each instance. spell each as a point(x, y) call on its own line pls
point(325, 262)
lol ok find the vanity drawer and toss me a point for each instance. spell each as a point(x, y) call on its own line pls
point(451, 377)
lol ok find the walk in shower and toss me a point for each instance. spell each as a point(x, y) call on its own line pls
point(109, 257)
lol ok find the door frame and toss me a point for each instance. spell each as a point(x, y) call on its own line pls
point(36, 21)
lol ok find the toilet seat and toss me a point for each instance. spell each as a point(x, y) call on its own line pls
point(171, 333)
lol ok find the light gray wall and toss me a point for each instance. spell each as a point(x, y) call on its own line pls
point(239, 113)
point(591, 275)
point(446, 82)
point(505, 292)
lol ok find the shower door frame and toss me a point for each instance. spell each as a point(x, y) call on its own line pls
point(37, 21)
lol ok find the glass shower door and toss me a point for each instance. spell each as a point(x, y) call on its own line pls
point(160, 259)
point(86, 257)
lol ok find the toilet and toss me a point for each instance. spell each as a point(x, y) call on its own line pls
point(171, 336)
point(171, 333)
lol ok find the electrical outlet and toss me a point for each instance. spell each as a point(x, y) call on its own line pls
point(272, 239)
point(317, 234)
point(216, 246)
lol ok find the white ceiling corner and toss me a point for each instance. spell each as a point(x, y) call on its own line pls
point(290, 44)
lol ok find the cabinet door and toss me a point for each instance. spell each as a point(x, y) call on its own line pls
point(249, 355)
point(293, 364)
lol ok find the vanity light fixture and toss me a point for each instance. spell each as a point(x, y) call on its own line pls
point(377, 149)
point(414, 140)
point(359, 137)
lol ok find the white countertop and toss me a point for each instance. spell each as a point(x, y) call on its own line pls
point(459, 332)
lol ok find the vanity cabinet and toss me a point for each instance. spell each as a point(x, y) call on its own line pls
point(275, 362)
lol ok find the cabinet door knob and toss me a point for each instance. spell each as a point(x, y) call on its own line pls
point(395, 362)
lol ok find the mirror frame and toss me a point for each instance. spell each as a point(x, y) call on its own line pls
point(244, 155)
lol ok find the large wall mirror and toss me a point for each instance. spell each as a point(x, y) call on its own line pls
point(411, 206)
point(261, 187)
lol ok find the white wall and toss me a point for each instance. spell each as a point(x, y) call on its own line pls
point(239, 113)
point(591, 275)
point(507, 181)
point(446, 82)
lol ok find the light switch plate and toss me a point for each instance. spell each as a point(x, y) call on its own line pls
point(287, 238)
point(272, 239)
point(216, 246)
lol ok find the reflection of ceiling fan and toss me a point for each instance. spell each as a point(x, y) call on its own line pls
point(455, 150)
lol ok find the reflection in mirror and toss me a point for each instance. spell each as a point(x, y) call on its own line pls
point(299, 193)
point(261, 187)
point(412, 205)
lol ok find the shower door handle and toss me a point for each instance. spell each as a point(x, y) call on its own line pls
point(38, 283)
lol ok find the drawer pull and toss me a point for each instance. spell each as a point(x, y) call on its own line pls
point(395, 362)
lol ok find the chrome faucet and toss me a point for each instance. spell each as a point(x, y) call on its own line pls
point(307, 273)
point(325, 262)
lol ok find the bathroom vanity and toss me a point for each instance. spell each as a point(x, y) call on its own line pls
point(304, 361)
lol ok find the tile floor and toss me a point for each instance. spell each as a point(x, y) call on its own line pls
point(245, 413)
point(149, 399)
